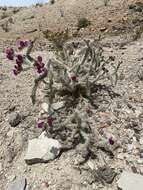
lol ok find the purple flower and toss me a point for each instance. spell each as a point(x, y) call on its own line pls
point(19, 63)
point(111, 141)
point(39, 59)
point(73, 78)
point(39, 71)
point(19, 57)
point(18, 67)
point(40, 66)
point(50, 121)
point(40, 124)
point(9, 53)
point(22, 44)
point(15, 72)
point(9, 56)
point(27, 43)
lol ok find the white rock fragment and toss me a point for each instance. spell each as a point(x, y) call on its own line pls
point(45, 107)
point(58, 105)
point(90, 164)
point(141, 141)
point(42, 149)
point(130, 181)
point(140, 161)
point(19, 184)
point(55, 106)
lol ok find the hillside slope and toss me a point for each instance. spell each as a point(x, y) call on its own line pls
point(119, 16)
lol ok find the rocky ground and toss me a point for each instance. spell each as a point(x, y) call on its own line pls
point(120, 118)
point(114, 166)
point(119, 16)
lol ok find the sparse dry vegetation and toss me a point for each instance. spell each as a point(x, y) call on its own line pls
point(74, 94)
point(83, 23)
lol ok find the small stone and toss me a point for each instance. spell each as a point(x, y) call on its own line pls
point(90, 164)
point(55, 106)
point(1, 167)
point(103, 29)
point(140, 161)
point(14, 119)
point(106, 174)
point(11, 177)
point(141, 141)
point(58, 105)
point(19, 184)
point(45, 107)
point(10, 134)
point(130, 147)
point(42, 149)
point(121, 156)
point(130, 181)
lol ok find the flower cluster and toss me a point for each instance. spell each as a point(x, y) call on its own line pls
point(18, 66)
point(9, 53)
point(40, 66)
point(22, 44)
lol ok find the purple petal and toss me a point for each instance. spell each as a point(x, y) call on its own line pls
point(39, 59)
point(40, 124)
point(19, 57)
point(50, 121)
point(27, 43)
point(18, 63)
point(15, 72)
point(111, 141)
point(10, 56)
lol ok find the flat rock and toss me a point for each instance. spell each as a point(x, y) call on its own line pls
point(58, 105)
point(55, 106)
point(130, 181)
point(42, 149)
point(14, 119)
point(19, 184)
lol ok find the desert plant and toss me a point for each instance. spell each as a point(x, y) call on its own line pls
point(5, 26)
point(4, 8)
point(16, 10)
point(58, 39)
point(83, 23)
point(38, 5)
point(70, 85)
point(106, 2)
point(4, 15)
point(52, 2)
